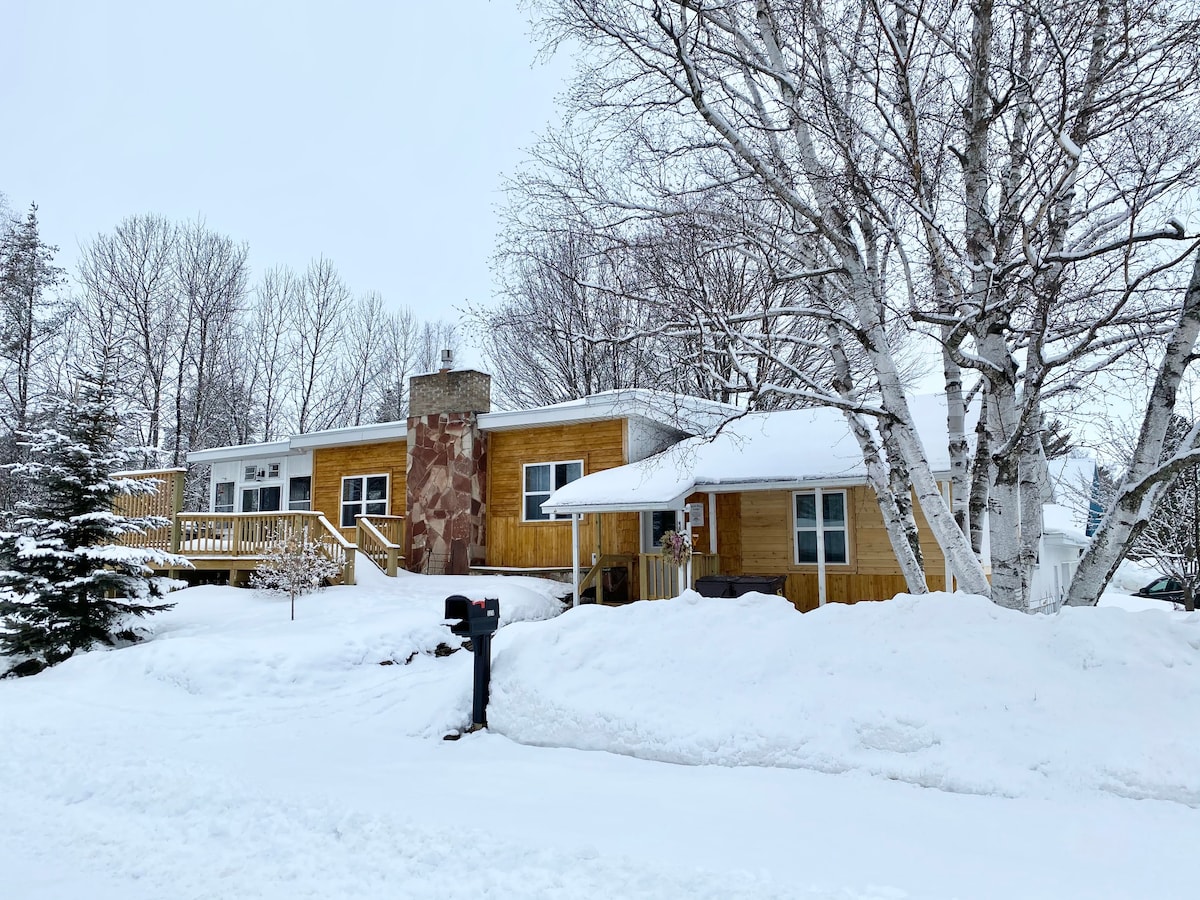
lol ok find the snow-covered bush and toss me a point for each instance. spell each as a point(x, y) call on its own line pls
point(295, 565)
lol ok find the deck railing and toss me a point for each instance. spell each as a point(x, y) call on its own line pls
point(381, 539)
point(254, 535)
point(659, 577)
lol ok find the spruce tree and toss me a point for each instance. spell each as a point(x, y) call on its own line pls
point(66, 581)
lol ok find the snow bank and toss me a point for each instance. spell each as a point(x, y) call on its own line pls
point(220, 644)
point(943, 691)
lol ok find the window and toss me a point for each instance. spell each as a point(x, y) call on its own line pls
point(273, 470)
point(821, 527)
point(653, 526)
point(223, 498)
point(542, 480)
point(300, 493)
point(250, 473)
point(363, 495)
point(264, 499)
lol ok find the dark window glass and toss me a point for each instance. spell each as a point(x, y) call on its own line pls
point(835, 546)
point(660, 522)
point(268, 500)
point(300, 492)
point(223, 502)
point(250, 500)
point(806, 511)
point(806, 543)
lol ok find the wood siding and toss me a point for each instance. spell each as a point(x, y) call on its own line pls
point(761, 532)
point(331, 464)
point(512, 542)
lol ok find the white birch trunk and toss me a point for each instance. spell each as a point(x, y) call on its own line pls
point(1111, 540)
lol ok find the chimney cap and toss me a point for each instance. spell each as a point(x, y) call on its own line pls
point(447, 360)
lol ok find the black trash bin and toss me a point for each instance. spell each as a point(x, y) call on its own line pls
point(736, 585)
point(763, 584)
point(714, 585)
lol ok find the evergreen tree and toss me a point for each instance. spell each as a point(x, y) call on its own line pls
point(29, 318)
point(66, 581)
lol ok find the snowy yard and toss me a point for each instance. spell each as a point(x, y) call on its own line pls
point(932, 748)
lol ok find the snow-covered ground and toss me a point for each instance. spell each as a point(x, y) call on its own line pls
point(925, 748)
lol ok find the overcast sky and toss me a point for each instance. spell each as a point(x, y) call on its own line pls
point(374, 133)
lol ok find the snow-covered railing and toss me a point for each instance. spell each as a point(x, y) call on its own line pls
point(381, 538)
point(659, 578)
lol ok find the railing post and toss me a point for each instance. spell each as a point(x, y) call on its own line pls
point(177, 483)
point(348, 569)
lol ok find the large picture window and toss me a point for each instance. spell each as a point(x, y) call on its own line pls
point(265, 499)
point(363, 495)
point(821, 527)
point(543, 479)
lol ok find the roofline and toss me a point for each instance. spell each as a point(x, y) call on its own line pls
point(354, 434)
point(240, 451)
point(298, 443)
point(621, 404)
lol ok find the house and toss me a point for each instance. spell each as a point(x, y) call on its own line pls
point(582, 490)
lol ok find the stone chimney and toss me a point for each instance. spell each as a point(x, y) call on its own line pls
point(447, 471)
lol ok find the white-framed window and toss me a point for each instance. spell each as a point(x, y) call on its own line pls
point(261, 499)
point(363, 495)
point(540, 480)
point(250, 473)
point(653, 526)
point(273, 470)
point(223, 497)
point(820, 527)
point(300, 492)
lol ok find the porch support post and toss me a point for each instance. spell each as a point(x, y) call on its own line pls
point(712, 523)
point(820, 549)
point(949, 572)
point(574, 559)
point(685, 571)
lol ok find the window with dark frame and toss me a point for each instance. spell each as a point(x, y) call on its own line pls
point(261, 499)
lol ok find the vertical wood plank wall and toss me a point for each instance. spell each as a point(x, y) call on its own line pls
point(764, 529)
point(331, 464)
point(512, 542)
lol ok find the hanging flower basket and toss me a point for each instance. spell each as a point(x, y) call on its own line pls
point(676, 547)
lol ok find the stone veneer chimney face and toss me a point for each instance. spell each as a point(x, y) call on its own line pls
point(447, 471)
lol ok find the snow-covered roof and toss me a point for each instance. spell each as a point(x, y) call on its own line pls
point(1072, 483)
point(690, 415)
point(759, 451)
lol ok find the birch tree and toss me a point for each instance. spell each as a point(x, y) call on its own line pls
point(999, 175)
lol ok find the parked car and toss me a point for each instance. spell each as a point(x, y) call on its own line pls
point(1162, 589)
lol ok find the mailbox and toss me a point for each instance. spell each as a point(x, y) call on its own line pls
point(476, 617)
point(478, 620)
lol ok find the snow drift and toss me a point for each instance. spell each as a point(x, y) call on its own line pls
point(944, 691)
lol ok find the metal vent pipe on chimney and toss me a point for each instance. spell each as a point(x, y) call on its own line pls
point(447, 360)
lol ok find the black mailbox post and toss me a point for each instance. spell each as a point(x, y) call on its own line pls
point(478, 620)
